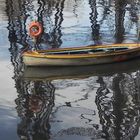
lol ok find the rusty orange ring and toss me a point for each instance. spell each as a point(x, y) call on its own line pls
point(35, 29)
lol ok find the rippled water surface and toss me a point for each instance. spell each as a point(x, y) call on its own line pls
point(76, 103)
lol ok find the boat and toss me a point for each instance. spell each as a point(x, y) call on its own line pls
point(80, 72)
point(80, 56)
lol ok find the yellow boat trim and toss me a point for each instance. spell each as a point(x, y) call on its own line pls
point(37, 55)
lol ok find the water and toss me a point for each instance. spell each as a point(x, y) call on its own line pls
point(84, 103)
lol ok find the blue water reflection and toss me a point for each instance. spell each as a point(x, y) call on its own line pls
point(80, 103)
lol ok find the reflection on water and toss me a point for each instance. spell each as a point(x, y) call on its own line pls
point(97, 106)
point(119, 106)
point(34, 105)
point(74, 23)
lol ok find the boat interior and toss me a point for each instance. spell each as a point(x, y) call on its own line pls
point(88, 51)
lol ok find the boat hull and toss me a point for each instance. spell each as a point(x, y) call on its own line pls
point(32, 59)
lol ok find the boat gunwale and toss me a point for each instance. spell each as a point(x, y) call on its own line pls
point(133, 48)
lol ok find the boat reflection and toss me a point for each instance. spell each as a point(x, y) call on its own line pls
point(111, 113)
point(64, 72)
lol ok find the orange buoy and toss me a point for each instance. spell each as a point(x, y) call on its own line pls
point(35, 29)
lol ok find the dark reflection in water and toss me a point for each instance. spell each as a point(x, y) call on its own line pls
point(95, 25)
point(74, 23)
point(119, 20)
point(95, 107)
point(105, 106)
point(119, 114)
point(34, 105)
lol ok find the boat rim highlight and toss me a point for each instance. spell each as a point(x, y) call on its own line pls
point(39, 53)
point(85, 55)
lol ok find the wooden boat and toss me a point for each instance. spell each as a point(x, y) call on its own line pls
point(79, 72)
point(77, 56)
